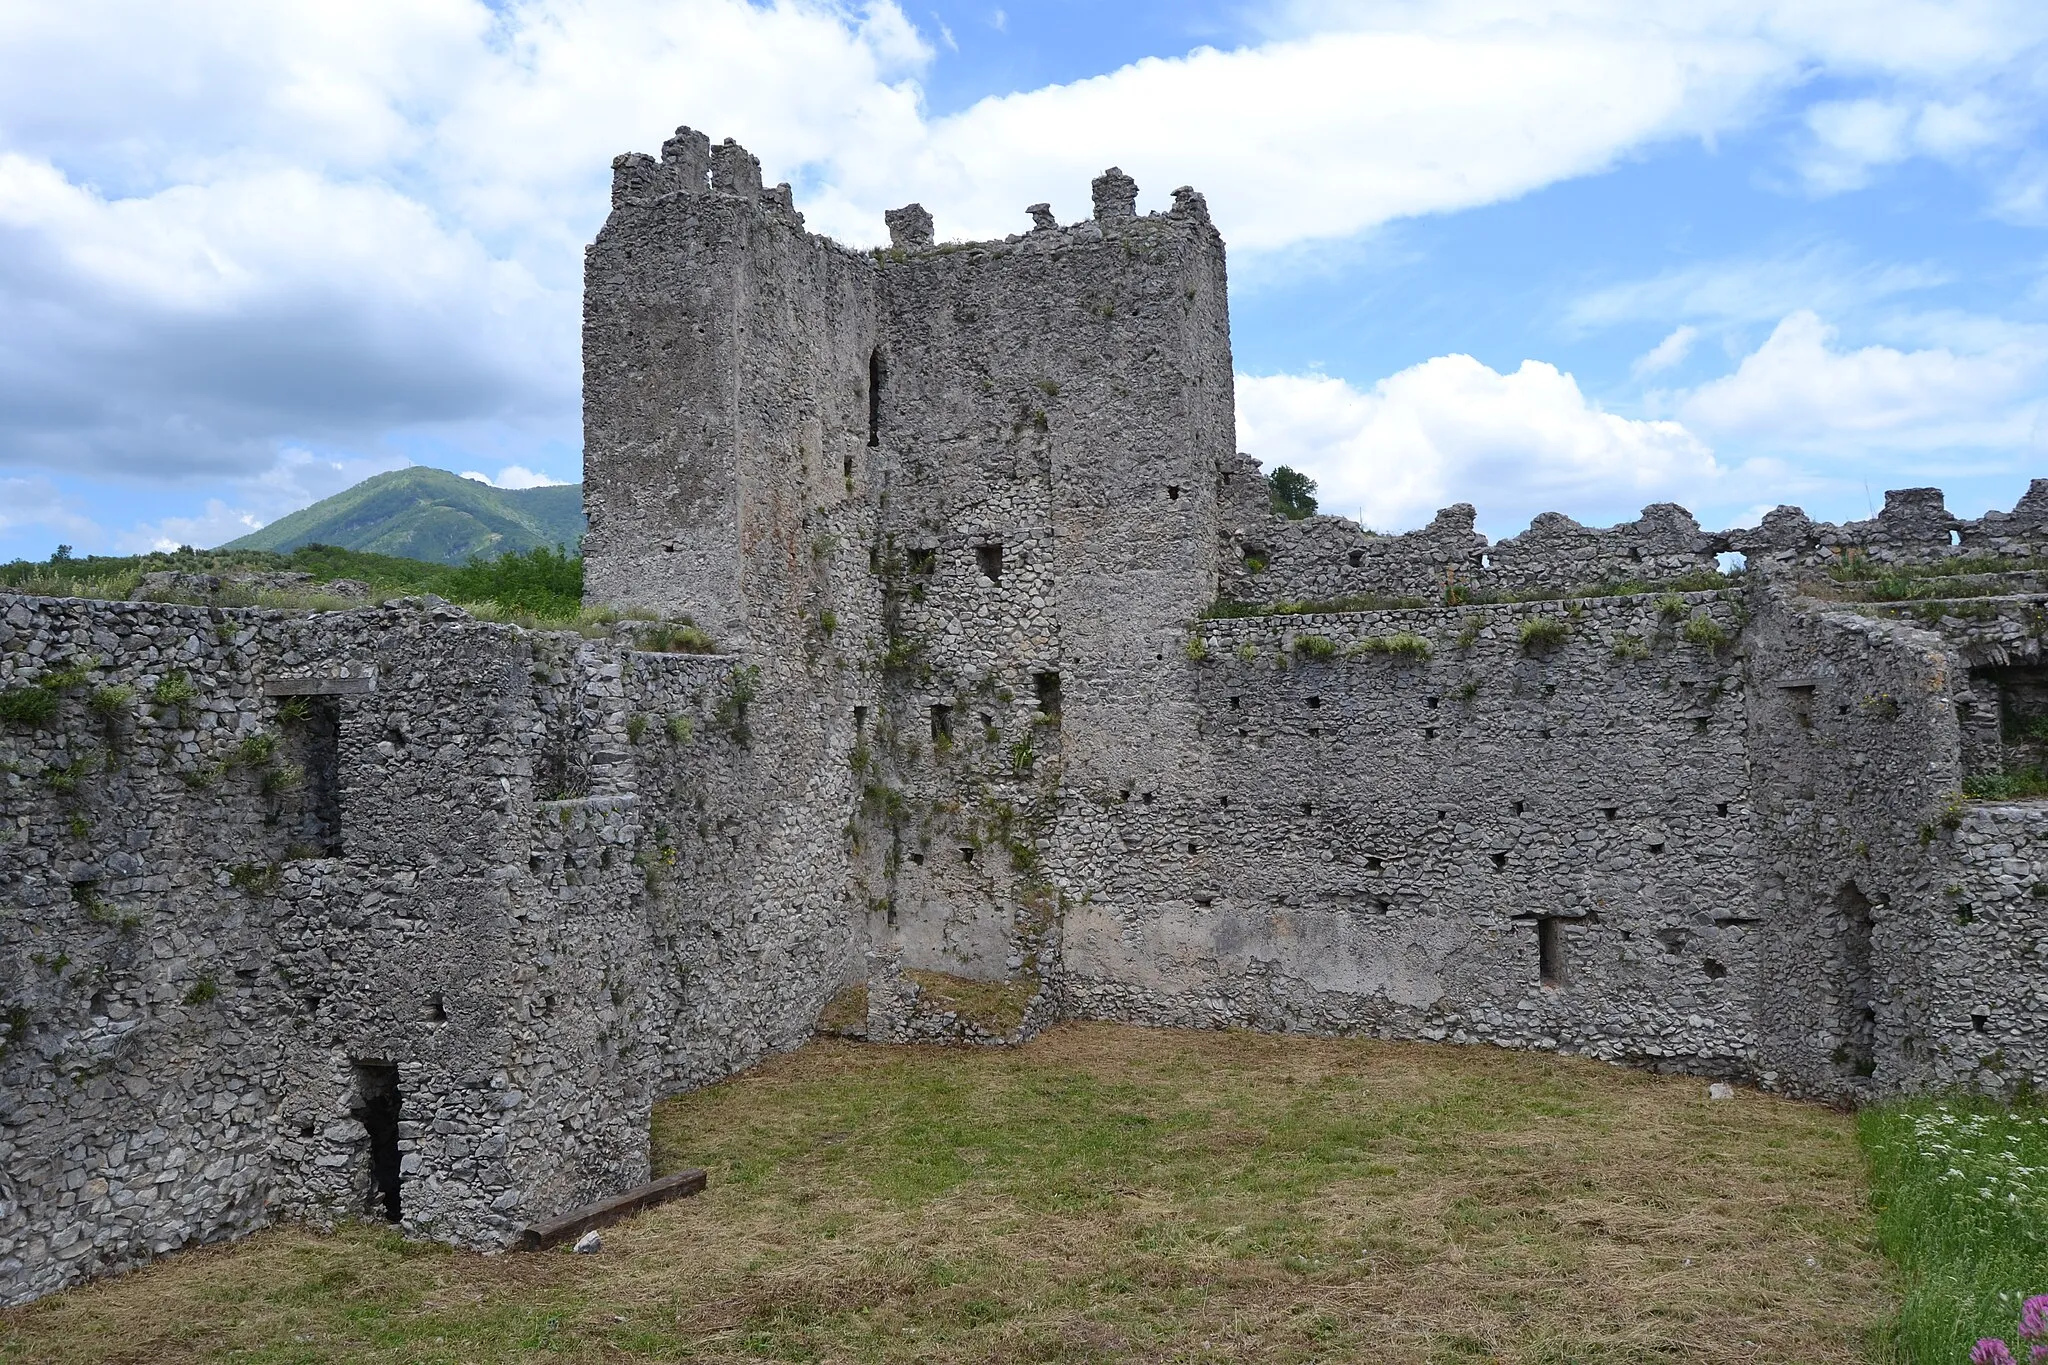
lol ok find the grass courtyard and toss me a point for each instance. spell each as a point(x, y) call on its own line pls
point(1113, 1193)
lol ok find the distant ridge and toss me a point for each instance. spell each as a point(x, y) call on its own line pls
point(430, 514)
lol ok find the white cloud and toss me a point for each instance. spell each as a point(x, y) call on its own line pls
point(1851, 138)
point(516, 476)
point(1799, 390)
point(1757, 289)
point(1452, 429)
point(1672, 350)
point(227, 226)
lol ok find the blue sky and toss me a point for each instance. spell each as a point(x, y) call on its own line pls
point(1574, 255)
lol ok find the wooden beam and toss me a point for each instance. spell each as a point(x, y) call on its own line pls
point(605, 1212)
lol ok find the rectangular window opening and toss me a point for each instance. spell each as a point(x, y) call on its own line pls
point(1047, 687)
point(989, 559)
point(319, 737)
point(942, 721)
point(1550, 952)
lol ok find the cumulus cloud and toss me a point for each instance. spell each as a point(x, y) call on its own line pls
point(516, 476)
point(1799, 389)
point(1432, 434)
point(230, 226)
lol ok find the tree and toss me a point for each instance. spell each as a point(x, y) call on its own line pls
point(1293, 492)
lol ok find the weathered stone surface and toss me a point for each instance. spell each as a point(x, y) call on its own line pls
point(393, 899)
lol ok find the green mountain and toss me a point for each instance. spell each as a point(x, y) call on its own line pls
point(433, 515)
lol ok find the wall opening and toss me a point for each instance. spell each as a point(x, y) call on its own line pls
point(319, 742)
point(942, 722)
point(989, 559)
point(923, 560)
point(1356, 559)
point(1857, 1053)
point(1173, 492)
point(875, 396)
point(376, 1108)
point(860, 720)
point(1047, 686)
point(1550, 952)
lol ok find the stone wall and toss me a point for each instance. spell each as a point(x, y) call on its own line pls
point(1031, 707)
point(260, 873)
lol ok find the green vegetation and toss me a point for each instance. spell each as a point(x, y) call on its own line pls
point(32, 706)
point(1706, 631)
point(679, 728)
point(1291, 493)
point(1312, 646)
point(731, 713)
point(174, 689)
point(680, 636)
point(997, 1006)
point(636, 727)
point(1404, 644)
point(1628, 646)
point(1109, 1193)
point(1961, 1189)
point(253, 751)
point(431, 515)
point(2021, 784)
point(204, 991)
point(540, 587)
point(1706, 580)
point(1541, 632)
point(1196, 650)
point(111, 701)
point(72, 675)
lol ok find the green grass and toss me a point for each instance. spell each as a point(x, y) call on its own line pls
point(2020, 785)
point(541, 588)
point(1961, 1188)
point(1111, 1193)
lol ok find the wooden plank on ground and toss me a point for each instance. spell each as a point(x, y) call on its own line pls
point(605, 1212)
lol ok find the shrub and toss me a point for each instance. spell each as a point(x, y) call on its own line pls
point(675, 637)
point(1630, 647)
point(1310, 646)
point(679, 728)
point(294, 711)
point(32, 705)
point(1466, 690)
point(1542, 632)
point(1247, 652)
point(828, 621)
point(174, 689)
point(1671, 606)
point(111, 701)
point(2019, 785)
point(283, 778)
point(636, 727)
point(256, 879)
point(254, 751)
point(731, 715)
point(1196, 650)
point(1407, 644)
point(1704, 630)
point(73, 674)
point(204, 991)
point(1468, 634)
point(547, 583)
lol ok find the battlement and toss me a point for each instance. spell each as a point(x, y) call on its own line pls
point(1270, 558)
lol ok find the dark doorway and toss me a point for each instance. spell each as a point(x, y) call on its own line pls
point(1857, 1053)
point(377, 1110)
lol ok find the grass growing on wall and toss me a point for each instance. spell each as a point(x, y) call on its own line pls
point(1112, 1193)
point(542, 588)
point(1961, 1188)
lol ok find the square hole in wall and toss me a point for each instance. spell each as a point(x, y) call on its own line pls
point(1046, 687)
point(1355, 559)
point(923, 560)
point(989, 559)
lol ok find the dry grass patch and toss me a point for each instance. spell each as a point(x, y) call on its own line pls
point(1113, 1193)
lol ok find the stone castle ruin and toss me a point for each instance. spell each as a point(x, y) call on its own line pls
point(1026, 706)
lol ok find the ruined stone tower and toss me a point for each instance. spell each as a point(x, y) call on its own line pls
point(1024, 704)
